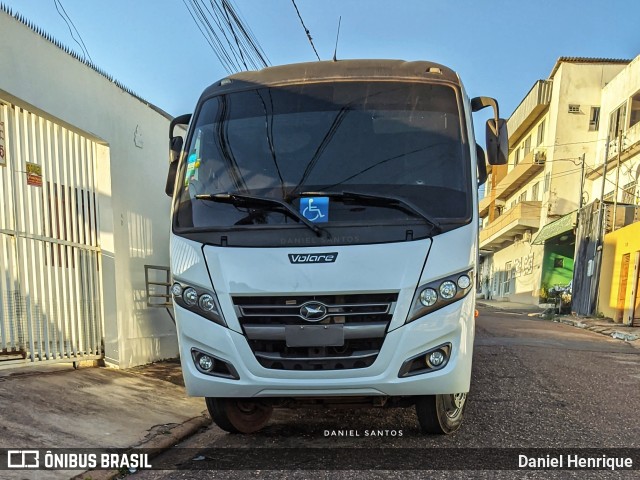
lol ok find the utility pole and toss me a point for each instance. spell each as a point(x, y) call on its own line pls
point(581, 183)
point(596, 254)
point(604, 179)
point(615, 192)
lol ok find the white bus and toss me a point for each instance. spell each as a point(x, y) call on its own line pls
point(325, 237)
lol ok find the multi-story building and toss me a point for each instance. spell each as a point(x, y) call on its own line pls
point(619, 144)
point(529, 209)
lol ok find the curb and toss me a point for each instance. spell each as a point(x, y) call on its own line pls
point(602, 330)
point(159, 443)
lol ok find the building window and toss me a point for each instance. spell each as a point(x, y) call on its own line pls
point(617, 121)
point(523, 197)
point(594, 119)
point(527, 146)
point(634, 116)
point(534, 192)
point(547, 181)
point(506, 289)
point(513, 204)
point(516, 156)
point(540, 138)
point(574, 108)
point(629, 193)
point(558, 262)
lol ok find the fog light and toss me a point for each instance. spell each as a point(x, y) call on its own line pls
point(428, 297)
point(207, 303)
point(190, 296)
point(448, 290)
point(435, 359)
point(205, 362)
point(464, 282)
point(176, 289)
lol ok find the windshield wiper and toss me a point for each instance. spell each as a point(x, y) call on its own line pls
point(239, 199)
point(384, 200)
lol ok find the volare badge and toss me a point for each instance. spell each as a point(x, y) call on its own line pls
point(313, 257)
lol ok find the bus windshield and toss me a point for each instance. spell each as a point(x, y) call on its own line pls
point(385, 138)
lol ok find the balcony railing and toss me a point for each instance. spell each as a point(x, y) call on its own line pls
point(630, 148)
point(530, 166)
point(529, 109)
point(515, 221)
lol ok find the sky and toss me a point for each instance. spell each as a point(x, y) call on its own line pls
point(498, 47)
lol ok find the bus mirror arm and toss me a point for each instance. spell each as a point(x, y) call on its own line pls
point(497, 136)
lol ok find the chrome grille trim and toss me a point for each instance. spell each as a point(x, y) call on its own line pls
point(266, 322)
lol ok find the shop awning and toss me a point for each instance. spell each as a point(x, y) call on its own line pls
point(555, 228)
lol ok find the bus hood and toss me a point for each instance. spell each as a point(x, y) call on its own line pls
point(309, 271)
point(316, 270)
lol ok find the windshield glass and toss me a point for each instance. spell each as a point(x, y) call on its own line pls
point(397, 139)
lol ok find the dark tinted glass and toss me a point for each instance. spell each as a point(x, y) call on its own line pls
point(387, 138)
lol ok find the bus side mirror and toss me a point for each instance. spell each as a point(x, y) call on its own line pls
point(497, 135)
point(175, 148)
point(497, 141)
point(482, 165)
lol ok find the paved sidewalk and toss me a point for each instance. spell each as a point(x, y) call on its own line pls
point(58, 407)
point(604, 326)
point(510, 306)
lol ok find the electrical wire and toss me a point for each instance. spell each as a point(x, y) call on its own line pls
point(67, 20)
point(231, 40)
point(306, 30)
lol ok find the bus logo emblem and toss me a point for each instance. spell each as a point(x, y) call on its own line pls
point(313, 311)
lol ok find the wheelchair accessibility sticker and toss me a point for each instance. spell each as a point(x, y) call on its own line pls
point(315, 209)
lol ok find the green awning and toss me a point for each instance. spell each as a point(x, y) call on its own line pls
point(555, 228)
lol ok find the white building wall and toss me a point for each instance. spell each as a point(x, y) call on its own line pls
point(618, 91)
point(573, 84)
point(134, 211)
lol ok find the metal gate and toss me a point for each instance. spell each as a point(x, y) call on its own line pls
point(50, 287)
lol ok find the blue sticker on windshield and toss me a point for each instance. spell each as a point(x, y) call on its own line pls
point(315, 209)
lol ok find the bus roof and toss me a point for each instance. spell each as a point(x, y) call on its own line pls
point(339, 70)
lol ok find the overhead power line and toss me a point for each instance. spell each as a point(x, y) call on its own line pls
point(231, 40)
point(306, 30)
point(69, 22)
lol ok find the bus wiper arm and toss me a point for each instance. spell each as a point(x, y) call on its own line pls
point(384, 200)
point(240, 199)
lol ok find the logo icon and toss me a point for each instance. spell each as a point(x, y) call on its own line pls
point(313, 257)
point(313, 311)
point(315, 209)
point(23, 459)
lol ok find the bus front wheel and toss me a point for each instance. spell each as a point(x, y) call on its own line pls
point(441, 414)
point(239, 415)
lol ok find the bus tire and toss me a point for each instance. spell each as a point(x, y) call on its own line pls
point(441, 414)
point(239, 415)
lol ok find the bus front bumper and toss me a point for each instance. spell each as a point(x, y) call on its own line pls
point(453, 324)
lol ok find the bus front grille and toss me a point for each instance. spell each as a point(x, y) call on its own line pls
point(361, 321)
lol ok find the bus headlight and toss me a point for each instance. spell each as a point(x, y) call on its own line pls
point(199, 301)
point(439, 293)
point(428, 297)
point(448, 290)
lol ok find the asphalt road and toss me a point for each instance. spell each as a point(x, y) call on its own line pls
point(535, 384)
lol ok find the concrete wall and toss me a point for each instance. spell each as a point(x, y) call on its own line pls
point(525, 283)
point(134, 210)
point(616, 244)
